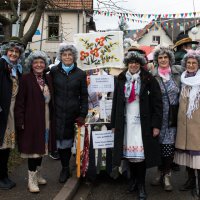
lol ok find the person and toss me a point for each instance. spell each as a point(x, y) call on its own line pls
point(10, 73)
point(187, 139)
point(182, 45)
point(34, 101)
point(71, 102)
point(168, 77)
point(136, 120)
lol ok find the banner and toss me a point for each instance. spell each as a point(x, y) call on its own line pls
point(99, 49)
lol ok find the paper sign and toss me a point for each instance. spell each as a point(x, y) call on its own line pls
point(103, 139)
point(102, 83)
point(99, 49)
point(105, 109)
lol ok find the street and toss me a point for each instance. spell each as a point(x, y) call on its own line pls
point(107, 189)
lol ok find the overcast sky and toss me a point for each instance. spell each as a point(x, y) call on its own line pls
point(144, 7)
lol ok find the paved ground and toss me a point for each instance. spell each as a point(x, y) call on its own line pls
point(105, 188)
point(51, 170)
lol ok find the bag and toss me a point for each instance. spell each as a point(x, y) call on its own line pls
point(173, 115)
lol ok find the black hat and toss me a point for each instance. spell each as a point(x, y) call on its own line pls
point(184, 39)
point(16, 40)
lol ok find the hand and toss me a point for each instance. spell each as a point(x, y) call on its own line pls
point(80, 121)
point(113, 130)
point(156, 132)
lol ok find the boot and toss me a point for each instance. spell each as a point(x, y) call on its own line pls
point(40, 179)
point(64, 174)
point(32, 182)
point(132, 186)
point(141, 192)
point(167, 182)
point(157, 179)
point(190, 183)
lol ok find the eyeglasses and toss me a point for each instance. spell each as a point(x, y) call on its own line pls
point(191, 63)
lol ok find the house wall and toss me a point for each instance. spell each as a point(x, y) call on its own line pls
point(147, 39)
point(71, 22)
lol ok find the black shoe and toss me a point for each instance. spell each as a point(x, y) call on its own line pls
point(54, 155)
point(64, 174)
point(132, 186)
point(141, 192)
point(10, 182)
point(189, 185)
point(6, 184)
point(175, 167)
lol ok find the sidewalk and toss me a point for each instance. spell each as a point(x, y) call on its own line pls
point(52, 191)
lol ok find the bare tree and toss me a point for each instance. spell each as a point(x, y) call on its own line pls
point(31, 6)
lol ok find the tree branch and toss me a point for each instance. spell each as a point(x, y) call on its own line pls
point(36, 20)
point(15, 15)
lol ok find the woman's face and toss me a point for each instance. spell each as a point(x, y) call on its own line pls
point(38, 66)
point(13, 54)
point(133, 67)
point(192, 65)
point(67, 58)
point(163, 61)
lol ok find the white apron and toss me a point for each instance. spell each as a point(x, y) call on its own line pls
point(133, 145)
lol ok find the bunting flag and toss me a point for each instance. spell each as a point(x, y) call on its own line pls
point(142, 17)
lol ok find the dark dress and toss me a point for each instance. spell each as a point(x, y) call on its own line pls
point(150, 103)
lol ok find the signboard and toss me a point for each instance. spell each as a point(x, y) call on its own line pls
point(105, 109)
point(103, 139)
point(99, 49)
point(102, 83)
point(37, 32)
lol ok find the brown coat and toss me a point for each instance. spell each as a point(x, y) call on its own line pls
point(188, 130)
point(30, 112)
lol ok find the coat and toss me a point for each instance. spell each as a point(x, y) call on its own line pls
point(5, 96)
point(150, 104)
point(30, 112)
point(187, 137)
point(71, 99)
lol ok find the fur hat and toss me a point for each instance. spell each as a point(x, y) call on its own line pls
point(134, 56)
point(184, 39)
point(191, 54)
point(161, 51)
point(35, 55)
point(14, 42)
point(67, 47)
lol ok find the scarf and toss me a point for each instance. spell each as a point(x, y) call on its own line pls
point(132, 86)
point(67, 68)
point(40, 79)
point(193, 93)
point(164, 73)
point(14, 67)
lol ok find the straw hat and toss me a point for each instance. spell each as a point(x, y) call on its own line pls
point(184, 39)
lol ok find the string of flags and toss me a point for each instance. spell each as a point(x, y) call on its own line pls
point(142, 18)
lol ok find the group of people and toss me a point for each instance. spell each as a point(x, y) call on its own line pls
point(38, 110)
point(155, 116)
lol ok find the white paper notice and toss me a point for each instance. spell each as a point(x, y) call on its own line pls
point(103, 139)
point(102, 83)
point(105, 108)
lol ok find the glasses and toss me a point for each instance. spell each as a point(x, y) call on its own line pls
point(191, 63)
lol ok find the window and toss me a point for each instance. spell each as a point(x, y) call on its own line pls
point(156, 39)
point(53, 25)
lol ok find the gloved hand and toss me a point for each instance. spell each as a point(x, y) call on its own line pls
point(80, 121)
